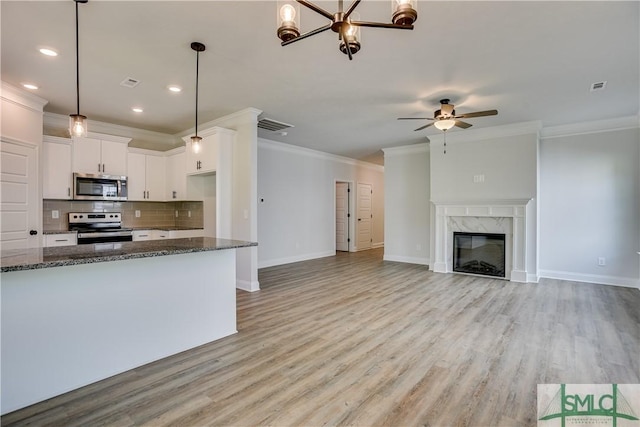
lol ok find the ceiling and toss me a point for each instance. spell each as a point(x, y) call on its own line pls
point(529, 60)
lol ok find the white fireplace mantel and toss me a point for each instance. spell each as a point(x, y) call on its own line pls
point(515, 209)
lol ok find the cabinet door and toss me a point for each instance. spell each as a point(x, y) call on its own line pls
point(140, 235)
point(114, 158)
point(136, 180)
point(176, 178)
point(63, 239)
point(86, 155)
point(56, 171)
point(155, 178)
point(204, 161)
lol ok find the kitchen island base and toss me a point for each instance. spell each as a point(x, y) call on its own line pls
point(69, 326)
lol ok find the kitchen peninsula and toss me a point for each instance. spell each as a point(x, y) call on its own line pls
point(77, 314)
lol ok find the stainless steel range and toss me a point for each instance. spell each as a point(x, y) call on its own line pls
point(93, 227)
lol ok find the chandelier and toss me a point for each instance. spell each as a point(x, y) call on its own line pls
point(403, 16)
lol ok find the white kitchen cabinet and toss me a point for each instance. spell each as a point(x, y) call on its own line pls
point(57, 181)
point(206, 159)
point(98, 154)
point(146, 176)
point(176, 177)
point(159, 234)
point(141, 235)
point(61, 239)
point(183, 234)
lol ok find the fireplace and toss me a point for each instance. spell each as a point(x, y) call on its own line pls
point(479, 253)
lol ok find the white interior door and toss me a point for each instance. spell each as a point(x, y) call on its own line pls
point(342, 216)
point(364, 216)
point(19, 219)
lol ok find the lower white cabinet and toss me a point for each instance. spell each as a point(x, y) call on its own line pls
point(62, 239)
point(140, 235)
point(160, 234)
point(183, 234)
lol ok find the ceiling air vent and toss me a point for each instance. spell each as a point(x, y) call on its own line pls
point(129, 82)
point(598, 86)
point(272, 125)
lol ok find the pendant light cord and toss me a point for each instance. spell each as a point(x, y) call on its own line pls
point(197, 79)
point(77, 65)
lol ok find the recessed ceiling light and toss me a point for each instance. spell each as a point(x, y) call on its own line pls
point(137, 110)
point(174, 88)
point(48, 52)
point(30, 86)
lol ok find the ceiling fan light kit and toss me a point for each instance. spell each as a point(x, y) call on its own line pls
point(77, 122)
point(345, 23)
point(444, 124)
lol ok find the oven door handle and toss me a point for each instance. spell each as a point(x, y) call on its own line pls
point(105, 234)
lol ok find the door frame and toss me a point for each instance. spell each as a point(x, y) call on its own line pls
point(350, 218)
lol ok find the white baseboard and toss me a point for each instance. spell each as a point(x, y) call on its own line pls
point(518, 276)
point(440, 267)
point(406, 259)
point(377, 245)
point(591, 278)
point(296, 258)
point(247, 285)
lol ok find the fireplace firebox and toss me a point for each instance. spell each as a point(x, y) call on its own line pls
point(479, 253)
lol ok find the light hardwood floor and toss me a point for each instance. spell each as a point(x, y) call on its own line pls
point(353, 340)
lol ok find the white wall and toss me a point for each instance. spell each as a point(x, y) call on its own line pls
point(296, 201)
point(407, 204)
point(590, 207)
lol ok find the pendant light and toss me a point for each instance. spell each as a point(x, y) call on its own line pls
point(195, 140)
point(78, 122)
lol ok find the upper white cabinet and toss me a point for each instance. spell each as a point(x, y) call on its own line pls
point(207, 157)
point(57, 182)
point(176, 176)
point(146, 175)
point(100, 154)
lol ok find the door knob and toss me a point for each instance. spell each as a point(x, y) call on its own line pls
point(33, 232)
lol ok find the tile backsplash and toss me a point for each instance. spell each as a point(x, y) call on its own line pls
point(152, 214)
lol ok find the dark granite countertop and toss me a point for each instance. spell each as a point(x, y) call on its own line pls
point(167, 228)
point(57, 232)
point(35, 258)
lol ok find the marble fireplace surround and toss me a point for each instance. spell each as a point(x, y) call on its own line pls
point(507, 217)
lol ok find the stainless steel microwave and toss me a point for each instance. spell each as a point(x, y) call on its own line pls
point(88, 186)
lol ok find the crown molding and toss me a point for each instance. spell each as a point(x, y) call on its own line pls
point(58, 124)
point(246, 116)
point(597, 126)
point(20, 97)
point(406, 149)
point(56, 139)
point(515, 129)
point(308, 152)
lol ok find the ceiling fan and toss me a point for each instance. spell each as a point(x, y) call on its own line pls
point(445, 118)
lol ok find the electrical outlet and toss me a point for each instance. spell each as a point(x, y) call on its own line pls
point(189, 214)
point(478, 178)
point(602, 261)
point(137, 213)
point(176, 214)
point(55, 214)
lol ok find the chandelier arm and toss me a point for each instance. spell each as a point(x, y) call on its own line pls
point(345, 40)
point(307, 34)
point(381, 25)
point(351, 8)
point(316, 9)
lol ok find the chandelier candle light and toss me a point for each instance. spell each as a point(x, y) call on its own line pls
point(403, 16)
point(195, 140)
point(78, 122)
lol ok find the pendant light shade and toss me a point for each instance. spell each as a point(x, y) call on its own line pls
point(77, 122)
point(195, 140)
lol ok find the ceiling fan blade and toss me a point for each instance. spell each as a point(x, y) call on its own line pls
point(423, 127)
point(381, 25)
point(316, 9)
point(415, 118)
point(463, 125)
point(353, 6)
point(477, 114)
point(307, 34)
